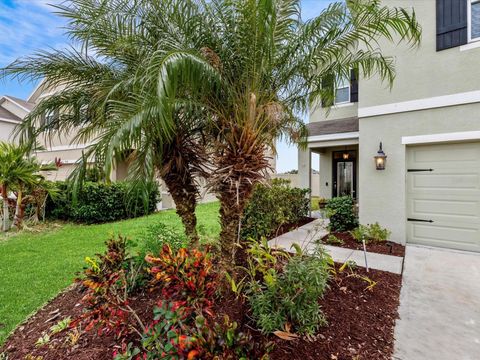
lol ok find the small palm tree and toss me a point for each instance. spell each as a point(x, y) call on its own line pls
point(18, 173)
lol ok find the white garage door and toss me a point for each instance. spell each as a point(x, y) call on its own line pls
point(443, 195)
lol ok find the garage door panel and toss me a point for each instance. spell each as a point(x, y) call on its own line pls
point(446, 232)
point(448, 208)
point(443, 155)
point(449, 195)
point(452, 181)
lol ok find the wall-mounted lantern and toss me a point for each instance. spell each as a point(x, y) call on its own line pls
point(380, 159)
point(346, 155)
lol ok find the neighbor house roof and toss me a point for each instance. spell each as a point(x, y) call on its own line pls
point(6, 115)
point(346, 125)
point(25, 104)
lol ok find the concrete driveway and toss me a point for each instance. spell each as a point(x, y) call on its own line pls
point(439, 306)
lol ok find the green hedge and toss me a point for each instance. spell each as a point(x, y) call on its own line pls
point(99, 203)
point(272, 206)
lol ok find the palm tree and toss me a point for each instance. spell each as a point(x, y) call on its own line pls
point(18, 173)
point(263, 67)
point(107, 101)
point(241, 71)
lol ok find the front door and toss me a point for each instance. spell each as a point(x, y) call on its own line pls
point(344, 173)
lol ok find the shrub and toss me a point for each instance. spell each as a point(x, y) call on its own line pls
point(272, 206)
point(185, 275)
point(177, 332)
point(340, 211)
point(333, 240)
point(292, 296)
point(373, 232)
point(156, 235)
point(106, 282)
point(377, 233)
point(99, 203)
point(360, 233)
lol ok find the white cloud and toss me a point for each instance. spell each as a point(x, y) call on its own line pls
point(27, 26)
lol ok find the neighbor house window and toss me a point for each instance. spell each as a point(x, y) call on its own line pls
point(474, 20)
point(342, 91)
point(49, 117)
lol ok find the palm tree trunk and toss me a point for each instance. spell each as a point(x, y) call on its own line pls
point(184, 193)
point(5, 208)
point(18, 210)
point(232, 206)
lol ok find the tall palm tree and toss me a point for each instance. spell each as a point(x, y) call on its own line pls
point(264, 67)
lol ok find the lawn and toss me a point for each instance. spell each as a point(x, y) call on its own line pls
point(35, 266)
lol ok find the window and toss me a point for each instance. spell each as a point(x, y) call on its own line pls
point(342, 92)
point(474, 20)
point(49, 117)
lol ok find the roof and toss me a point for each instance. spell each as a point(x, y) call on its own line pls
point(7, 115)
point(346, 125)
point(27, 105)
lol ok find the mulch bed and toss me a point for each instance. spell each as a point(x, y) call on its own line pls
point(386, 248)
point(361, 324)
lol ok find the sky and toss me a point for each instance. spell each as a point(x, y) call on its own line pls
point(27, 26)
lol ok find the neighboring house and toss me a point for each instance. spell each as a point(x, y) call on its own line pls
point(12, 111)
point(429, 125)
point(294, 180)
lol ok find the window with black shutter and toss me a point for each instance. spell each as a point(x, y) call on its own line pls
point(452, 23)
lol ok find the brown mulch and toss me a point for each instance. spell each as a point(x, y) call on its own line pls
point(386, 248)
point(361, 324)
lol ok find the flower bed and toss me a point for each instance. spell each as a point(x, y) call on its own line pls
point(347, 241)
point(360, 324)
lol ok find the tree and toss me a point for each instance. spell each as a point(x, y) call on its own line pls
point(263, 66)
point(238, 72)
point(18, 173)
point(106, 99)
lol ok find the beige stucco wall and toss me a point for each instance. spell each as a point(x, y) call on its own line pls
point(423, 72)
point(382, 193)
point(336, 112)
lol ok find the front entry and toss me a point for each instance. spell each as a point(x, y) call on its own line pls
point(344, 173)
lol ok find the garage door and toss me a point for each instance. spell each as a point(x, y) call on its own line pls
point(443, 195)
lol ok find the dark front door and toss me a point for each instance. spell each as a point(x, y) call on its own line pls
point(344, 172)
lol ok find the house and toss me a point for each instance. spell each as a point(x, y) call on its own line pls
point(12, 111)
point(427, 189)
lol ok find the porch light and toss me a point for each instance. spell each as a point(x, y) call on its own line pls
point(380, 159)
point(346, 155)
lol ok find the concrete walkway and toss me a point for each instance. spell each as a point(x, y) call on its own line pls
point(439, 306)
point(307, 235)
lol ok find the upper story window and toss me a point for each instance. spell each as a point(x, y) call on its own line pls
point(474, 20)
point(342, 91)
point(49, 117)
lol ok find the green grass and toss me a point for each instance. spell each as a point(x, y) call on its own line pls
point(35, 266)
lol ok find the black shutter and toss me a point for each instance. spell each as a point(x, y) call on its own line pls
point(328, 87)
point(353, 86)
point(451, 23)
